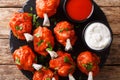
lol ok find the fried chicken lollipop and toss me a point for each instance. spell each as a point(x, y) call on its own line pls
point(63, 64)
point(46, 8)
point(45, 74)
point(20, 24)
point(25, 58)
point(88, 63)
point(44, 42)
point(65, 34)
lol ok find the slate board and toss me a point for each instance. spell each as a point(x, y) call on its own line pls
point(79, 46)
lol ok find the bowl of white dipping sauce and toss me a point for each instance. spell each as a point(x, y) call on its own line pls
point(97, 36)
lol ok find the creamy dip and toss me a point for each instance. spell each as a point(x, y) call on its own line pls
point(97, 36)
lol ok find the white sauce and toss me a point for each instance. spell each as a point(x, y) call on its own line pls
point(97, 36)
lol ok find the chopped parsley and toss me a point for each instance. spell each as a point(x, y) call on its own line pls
point(61, 30)
point(17, 61)
point(49, 46)
point(37, 35)
point(39, 43)
point(31, 8)
point(34, 18)
point(18, 27)
point(66, 59)
point(30, 14)
point(66, 29)
point(35, 23)
point(88, 66)
point(47, 79)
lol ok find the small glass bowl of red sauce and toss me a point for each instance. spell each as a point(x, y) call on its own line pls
point(78, 10)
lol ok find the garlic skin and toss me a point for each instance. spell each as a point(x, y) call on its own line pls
point(46, 21)
point(68, 45)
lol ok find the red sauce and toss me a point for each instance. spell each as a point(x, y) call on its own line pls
point(79, 9)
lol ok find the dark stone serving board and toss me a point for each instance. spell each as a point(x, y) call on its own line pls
point(79, 46)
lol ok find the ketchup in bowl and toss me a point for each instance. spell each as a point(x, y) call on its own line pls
point(78, 10)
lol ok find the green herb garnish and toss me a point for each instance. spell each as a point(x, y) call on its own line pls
point(49, 47)
point(35, 17)
point(31, 8)
point(66, 29)
point(37, 35)
point(47, 79)
point(88, 66)
point(18, 27)
point(39, 43)
point(66, 59)
point(61, 30)
point(30, 14)
point(37, 24)
point(17, 60)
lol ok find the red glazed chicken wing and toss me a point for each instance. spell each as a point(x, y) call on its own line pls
point(87, 62)
point(20, 24)
point(63, 31)
point(63, 64)
point(44, 74)
point(24, 58)
point(46, 6)
point(43, 39)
